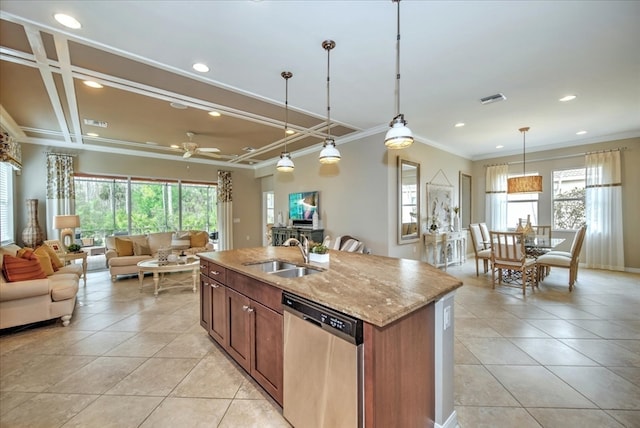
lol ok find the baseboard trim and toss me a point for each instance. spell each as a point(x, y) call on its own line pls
point(451, 422)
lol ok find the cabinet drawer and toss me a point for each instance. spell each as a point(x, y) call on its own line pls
point(204, 267)
point(217, 273)
point(265, 294)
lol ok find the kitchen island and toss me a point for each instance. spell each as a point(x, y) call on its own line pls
point(395, 298)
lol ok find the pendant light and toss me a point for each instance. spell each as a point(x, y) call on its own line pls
point(329, 154)
point(525, 183)
point(285, 164)
point(399, 136)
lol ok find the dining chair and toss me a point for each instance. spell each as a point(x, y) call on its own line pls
point(560, 259)
point(479, 250)
point(486, 238)
point(508, 257)
point(542, 231)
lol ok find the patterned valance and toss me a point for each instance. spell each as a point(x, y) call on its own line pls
point(60, 183)
point(10, 151)
point(225, 186)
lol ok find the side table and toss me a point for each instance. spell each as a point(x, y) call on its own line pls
point(68, 257)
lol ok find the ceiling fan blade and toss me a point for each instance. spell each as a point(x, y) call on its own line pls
point(209, 149)
point(211, 154)
point(187, 155)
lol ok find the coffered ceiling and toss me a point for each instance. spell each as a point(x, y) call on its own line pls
point(452, 54)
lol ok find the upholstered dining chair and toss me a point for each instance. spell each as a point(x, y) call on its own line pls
point(479, 250)
point(563, 259)
point(508, 255)
point(486, 238)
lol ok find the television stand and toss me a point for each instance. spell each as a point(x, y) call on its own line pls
point(281, 234)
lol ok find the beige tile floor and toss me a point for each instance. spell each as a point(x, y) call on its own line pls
point(550, 359)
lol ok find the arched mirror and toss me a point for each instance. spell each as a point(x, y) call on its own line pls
point(408, 201)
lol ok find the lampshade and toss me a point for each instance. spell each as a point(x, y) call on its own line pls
point(399, 136)
point(329, 154)
point(66, 221)
point(285, 164)
point(524, 183)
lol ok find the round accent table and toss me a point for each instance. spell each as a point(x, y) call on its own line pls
point(160, 282)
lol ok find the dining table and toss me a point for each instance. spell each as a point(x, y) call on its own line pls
point(539, 245)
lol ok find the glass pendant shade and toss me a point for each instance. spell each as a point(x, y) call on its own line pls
point(329, 154)
point(524, 183)
point(285, 164)
point(399, 135)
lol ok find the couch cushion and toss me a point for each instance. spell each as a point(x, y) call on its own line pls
point(24, 289)
point(198, 238)
point(159, 240)
point(22, 269)
point(55, 260)
point(73, 268)
point(180, 241)
point(124, 247)
point(141, 249)
point(127, 261)
point(45, 260)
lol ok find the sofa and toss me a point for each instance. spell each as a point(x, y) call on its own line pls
point(124, 252)
point(51, 295)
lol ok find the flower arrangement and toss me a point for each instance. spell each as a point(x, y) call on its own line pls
point(456, 210)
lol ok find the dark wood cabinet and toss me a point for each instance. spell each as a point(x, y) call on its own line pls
point(245, 317)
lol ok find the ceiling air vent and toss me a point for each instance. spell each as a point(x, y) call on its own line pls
point(492, 98)
point(98, 123)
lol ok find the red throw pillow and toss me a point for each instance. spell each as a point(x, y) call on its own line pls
point(22, 269)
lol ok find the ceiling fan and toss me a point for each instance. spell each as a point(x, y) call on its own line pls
point(191, 148)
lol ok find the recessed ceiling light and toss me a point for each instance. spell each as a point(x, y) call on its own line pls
point(175, 146)
point(92, 84)
point(179, 106)
point(567, 98)
point(459, 125)
point(581, 132)
point(499, 146)
point(214, 114)
point(290, 131)
point(92, 134)
point(67, 21)
point(200, 67)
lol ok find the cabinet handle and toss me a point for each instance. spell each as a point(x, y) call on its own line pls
point(214, 285)
point(203, 266)
point(247, 308)
point(215, 272)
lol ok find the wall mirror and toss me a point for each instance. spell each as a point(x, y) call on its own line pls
point(465, 200)
point(408, 201)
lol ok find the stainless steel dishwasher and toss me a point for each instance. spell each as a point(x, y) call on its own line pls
point(323, 366)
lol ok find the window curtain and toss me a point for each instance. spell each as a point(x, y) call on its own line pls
point(603, 197)
point(225, 211)
point(496, 197)
point(61, 191)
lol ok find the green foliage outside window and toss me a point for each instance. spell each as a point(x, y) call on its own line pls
point(569, 209)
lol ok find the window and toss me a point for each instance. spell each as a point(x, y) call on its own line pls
point(568, 199)
point(520, 205)
point(113, 205)
point(6, 203)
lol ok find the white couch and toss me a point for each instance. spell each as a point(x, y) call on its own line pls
point(148, 246)
point(25, 302)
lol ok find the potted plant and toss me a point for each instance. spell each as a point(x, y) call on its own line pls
point(73, 248)
point(318, 253)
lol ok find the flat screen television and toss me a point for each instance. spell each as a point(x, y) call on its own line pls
point(302, 205)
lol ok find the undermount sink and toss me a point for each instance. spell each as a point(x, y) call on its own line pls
point(283, 269)
point(273, 265)
point(295, 272)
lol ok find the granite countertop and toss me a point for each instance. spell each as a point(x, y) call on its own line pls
point(375, 289)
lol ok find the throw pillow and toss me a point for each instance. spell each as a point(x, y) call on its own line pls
point(55, 260)
point(45, 260)
point(124, 247)
point(141, 249)
point(199, 238)
point(22, 269)
point(180, 241)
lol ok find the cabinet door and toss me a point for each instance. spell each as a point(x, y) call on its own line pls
point(218, 313)
point(239, 332)
point(205, 302)
point(266, 350)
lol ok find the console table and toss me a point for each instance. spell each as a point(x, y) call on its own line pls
point(446, 248)
point(281, 234)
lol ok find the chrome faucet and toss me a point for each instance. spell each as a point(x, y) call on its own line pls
point(304, 246)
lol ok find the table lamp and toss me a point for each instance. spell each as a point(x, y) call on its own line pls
point(66, 224)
